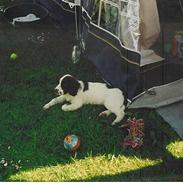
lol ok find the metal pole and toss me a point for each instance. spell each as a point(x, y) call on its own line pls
point(181, 6)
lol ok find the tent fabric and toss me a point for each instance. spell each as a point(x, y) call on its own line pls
point(115, 72)
point(160, 96)
point(173, 115)
point(149, 31)
point(150, 24)
point(148, 56)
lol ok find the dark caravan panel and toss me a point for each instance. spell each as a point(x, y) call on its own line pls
point(114, 69)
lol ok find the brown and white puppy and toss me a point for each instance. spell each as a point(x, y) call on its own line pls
point(78, 93)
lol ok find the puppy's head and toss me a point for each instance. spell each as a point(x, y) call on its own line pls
point(68, 85)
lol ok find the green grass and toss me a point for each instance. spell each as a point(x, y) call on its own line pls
point(31, 140)
point(87, 168)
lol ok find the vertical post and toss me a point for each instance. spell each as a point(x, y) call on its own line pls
point(78, 18)
point(77, 49)
point(181, 6)
point(100, 12)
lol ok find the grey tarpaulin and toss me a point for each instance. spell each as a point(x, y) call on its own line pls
point(173, 114)
point(160, 96)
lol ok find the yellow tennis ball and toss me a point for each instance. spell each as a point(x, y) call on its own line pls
point(13, 56)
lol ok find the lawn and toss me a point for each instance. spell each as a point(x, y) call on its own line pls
point(31, 140)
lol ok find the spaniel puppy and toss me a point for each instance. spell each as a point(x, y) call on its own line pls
point(78, 93)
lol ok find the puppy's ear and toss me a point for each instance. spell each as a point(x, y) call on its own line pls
point(70, 85)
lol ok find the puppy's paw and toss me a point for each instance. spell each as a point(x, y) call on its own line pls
point(104, 113)
point(113, 123)
point(65, 107)
point(45, 107)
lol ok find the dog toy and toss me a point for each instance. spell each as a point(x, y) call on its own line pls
point(71, 142)
point(135, 135)
point(13, 56)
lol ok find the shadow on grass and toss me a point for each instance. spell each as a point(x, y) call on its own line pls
point(32, 138)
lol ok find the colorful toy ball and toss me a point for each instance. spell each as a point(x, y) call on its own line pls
point(13, 56)
point(71, 142)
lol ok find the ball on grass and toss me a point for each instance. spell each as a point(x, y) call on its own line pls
point(13, 56)
point(71, 142)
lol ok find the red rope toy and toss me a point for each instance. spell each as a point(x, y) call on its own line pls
point(135, 135)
